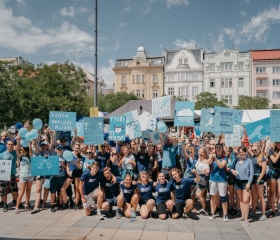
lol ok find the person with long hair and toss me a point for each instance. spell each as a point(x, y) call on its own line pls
point(243, 171)
point(147, 200)
point(218, 181)
point(203, 170)
point(24, 155)
point(128, 198)
point(259, 164)
point(164, 203)
point(273, 176)
point(127, 164)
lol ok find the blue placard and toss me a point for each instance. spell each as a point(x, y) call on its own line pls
point(161, 107)
point(275, 125)
point(184, 113)
point(93, 130)
point(117, 128)
point(207, 120)
point(259, 130)
point(62, 121)
point(133, 128)
point(44, 166)
point(80, 129)
point(226, 118)
point(197, 129)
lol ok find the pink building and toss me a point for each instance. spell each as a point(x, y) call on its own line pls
point(266, 75)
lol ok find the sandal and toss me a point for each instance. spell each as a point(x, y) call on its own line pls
point(44, 207)
point(35, 210)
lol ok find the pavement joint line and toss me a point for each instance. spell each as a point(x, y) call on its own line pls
point(143, 228)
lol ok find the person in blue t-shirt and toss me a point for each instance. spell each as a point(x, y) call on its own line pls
point(89, 188)
point(110, 186)
point(163, 200)
point(147, 200)
point(181, 189)
point(142, 158)
point(128, 198)
point(103, 157)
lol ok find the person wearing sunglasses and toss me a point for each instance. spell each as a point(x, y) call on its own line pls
point(142, 158)
point(89, 159)
point(243, 171)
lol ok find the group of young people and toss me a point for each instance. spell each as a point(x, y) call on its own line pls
point(170, 179)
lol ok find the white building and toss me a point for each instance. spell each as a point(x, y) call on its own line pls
point(16, 61)
point(183, 73)
point(227, 74)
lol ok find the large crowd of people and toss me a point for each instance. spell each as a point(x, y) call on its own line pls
point(171, 179)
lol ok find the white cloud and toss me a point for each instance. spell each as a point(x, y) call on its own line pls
point(67, 12)
point(218, 44)
point(243, 13)
point(170, 3)
point(246, 2)
point(184, 44)
point(91, 19)
point(83, 10)
point(122, 24)
point(127, 9)
point(21, 3)
point(146, 11)
point(20, 34)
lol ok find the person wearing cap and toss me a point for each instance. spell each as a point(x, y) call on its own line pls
point(63, 143)
point(57, 181)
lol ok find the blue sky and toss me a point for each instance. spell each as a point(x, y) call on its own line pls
point(46, 31)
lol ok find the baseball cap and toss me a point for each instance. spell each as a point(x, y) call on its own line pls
point(43, 143)
point(59, 147)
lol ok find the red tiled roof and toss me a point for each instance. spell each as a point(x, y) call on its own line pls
point(265, 54)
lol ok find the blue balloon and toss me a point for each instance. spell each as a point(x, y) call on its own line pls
point(34, 133)
point(47, 183)
point(29, 136)
point(24, 142)
point(22, 132)
point(68, 155)
point(37, 123)
point(161, 127)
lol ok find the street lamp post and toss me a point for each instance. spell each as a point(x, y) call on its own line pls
point(95, 70)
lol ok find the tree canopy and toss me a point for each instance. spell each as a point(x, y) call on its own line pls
point(208, 100)
point(246, 102)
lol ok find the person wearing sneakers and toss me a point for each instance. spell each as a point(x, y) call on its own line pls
point(218, 181)
point(243, 171)
point(110, 186)
point(182, 192)
point(128, 198)
point(89, 188)
point(26, 180)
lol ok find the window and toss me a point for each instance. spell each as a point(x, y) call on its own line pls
point(212, 83)
point(154, 93)
point(226, 66)
point(143, 93)
point(170, 77)
point(138, 78)
point(262, 94)
point(227, 99)
point(275, 69)
point(138, 63)
point(261, 83)
point(276, 82)
point(226, 82)
point(240, 82)
point(171, 91)
point(133, 79)
point(194, 91)
point(182, 91)
point(240, 65)
point(260, 69)
point(195, 76)
point(212, 66)
point(183, 61)
point(123, 79)
point(182, 76)
point(276, 95)
point(138, 93)
point(143, 78)
point(155, 79)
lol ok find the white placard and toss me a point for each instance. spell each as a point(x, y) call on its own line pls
point(5, 170)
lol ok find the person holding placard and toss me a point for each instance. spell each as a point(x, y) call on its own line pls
point(127, 163)
point(9, 186)
point(24, 155)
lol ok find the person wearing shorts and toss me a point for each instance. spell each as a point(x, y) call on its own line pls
point(89, 188)
point(218, 181)
point(182, 192)
point(163, 200)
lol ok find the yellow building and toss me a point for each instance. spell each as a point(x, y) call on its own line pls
point(142, 75)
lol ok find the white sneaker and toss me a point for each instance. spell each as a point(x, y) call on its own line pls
point(99, 215)
point(262, 218)
point(212, 217)
point(225, 218)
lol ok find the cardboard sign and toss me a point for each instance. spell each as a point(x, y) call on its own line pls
point(117, 128)
point(259, 130)
point(62, 121)
point(161, 107)
point(44, 166)
point(184, 114)
point(93, 130)
point(5, 170)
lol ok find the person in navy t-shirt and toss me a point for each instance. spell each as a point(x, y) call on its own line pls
point(182, 191)
point(163, 200)
point(147, 200)
point(128, 198)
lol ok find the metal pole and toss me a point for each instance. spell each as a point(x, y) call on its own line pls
point(95, 70)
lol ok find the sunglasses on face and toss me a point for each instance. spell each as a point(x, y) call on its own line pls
point(88, 152)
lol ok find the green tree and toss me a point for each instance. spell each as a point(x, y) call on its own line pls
point(208, 100)
point(246, 102)
point(111, 102)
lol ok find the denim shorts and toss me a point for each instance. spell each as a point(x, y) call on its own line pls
point(273, 174)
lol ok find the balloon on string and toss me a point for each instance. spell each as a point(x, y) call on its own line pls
point(34, 133)
point(37, 123)
point(22, 132)
point(29, 136)
point(24, 142)
point(161, 126)
point(67, 155)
